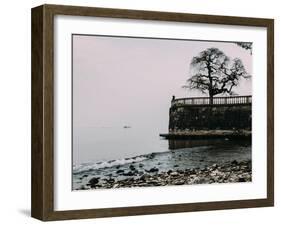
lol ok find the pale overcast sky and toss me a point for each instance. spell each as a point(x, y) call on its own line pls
point(119, 81)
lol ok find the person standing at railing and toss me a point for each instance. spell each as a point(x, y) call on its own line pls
point(173, 98)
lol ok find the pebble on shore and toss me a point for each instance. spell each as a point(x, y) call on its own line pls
point(227, 173)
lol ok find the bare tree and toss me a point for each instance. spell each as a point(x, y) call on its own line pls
point(214, 73)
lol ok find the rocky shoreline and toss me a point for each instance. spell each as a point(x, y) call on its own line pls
point(230, 172)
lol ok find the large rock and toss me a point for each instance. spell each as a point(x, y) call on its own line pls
point(179, 182)
point(174, 174)
point(144, 177)
point(241, 179)
point(130, 173)
point(94, 181)
point(153, 170)
point(119, 171)
point(214, 166)
point(132, 167)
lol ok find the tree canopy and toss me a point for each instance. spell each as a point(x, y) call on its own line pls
point(246, 45)
point(213, 72)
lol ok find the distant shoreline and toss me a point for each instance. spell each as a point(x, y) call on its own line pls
point(233, 134)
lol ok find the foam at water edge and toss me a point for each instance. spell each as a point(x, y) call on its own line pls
point(99, 165)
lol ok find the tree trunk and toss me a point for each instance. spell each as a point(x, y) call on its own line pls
point(210, 85)
point(211, 95)
point(211, 99)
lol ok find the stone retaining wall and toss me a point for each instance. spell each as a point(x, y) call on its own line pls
point(207, 117)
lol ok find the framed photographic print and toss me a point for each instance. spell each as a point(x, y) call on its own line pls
point(141, 112)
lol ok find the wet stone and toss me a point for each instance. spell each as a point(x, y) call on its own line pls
point(154, 169)
point(132, 167)
point(94, 181)
point(119, 171)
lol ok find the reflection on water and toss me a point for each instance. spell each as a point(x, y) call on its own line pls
point(189, 143)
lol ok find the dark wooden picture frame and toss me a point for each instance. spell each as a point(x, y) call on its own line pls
point(42, 203)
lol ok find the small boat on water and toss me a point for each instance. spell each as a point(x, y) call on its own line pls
point(126, 127)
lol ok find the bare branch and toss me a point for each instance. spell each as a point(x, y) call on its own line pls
point(246, 45)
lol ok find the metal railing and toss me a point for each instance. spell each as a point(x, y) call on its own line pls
point(216, 100)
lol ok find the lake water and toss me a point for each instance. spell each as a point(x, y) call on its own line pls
point(103, 151)
point(91, 144)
